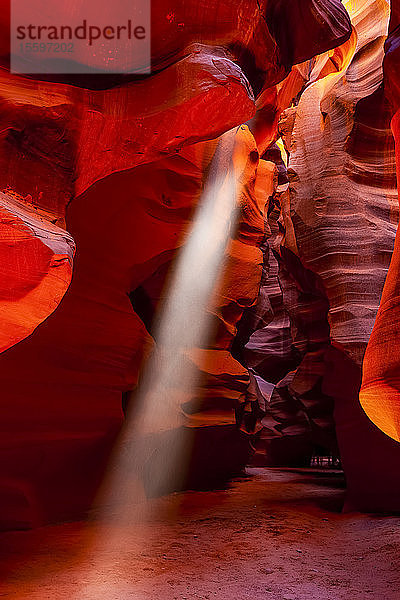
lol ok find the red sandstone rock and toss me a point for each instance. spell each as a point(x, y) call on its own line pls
point(131, 179)
point(101, 341)
point(379, 395)
point(379, 392)
point(341, 223)
point(36, 268)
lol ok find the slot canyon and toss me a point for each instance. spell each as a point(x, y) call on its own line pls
point(200, 307)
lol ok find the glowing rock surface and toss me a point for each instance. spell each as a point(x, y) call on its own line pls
point(36, 268)
point(122, 170)
point(333, 244)
point(380, 386)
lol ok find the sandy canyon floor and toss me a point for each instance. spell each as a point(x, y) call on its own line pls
point(275, 534)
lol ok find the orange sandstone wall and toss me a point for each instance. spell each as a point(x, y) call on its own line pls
point(379, 394)
point(116, 168)
point(328, 262)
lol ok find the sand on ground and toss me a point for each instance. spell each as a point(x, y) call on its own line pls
point(275, 534)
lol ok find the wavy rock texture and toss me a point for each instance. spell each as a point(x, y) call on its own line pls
point(380, 386)
point(73, 137)
point(123, 167)
point(339, 223)
point(36, 268)
point(100, 339)
point(379, 394)
point(266, 37)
